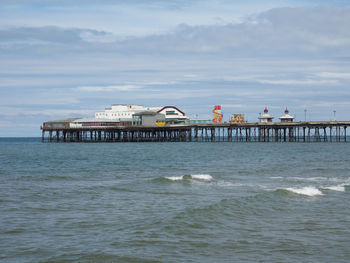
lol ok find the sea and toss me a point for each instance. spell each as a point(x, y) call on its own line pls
point(174, 202)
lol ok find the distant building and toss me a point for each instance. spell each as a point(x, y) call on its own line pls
point(286, 117)
point(119, 111)
point(98, 122)
point(173, 115)
point(266, 117)
point(125, 115)
point(126, 111)
point(148, 118)
point(63, 123)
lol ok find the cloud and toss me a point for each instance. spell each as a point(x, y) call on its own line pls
point(108, 88)
point(238, 106)
point(334, 75)
point(156, 83)
point(37, 98)
point(280, 32)
point(306, 82)
point(25, 111)
point(94, 2)
point(46, 34)
point(51, 41)
point(329, 104)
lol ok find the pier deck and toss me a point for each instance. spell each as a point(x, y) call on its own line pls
point(316, 131)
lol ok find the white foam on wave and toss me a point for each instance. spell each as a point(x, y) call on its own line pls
point(346, 183)
point(175, 178)
point(201, 177)
point(320, 179)
point(339, 188)
point(229, 184)
point(308, 190)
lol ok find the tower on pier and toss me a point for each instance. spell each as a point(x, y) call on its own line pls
point(266, 117)
point(286, 117)
point(217, 115)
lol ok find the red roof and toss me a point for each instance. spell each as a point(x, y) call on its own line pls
point(171, 107)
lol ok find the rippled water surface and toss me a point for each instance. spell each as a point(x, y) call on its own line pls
point(174, 202)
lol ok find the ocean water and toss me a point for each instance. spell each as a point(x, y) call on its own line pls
point(174, 202)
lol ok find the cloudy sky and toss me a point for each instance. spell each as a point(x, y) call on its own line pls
point(63, 58)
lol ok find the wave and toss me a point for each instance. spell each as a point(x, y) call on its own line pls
point(340, 188)
point(204, 177)
point(316, 179)
point(308, 191)
point(121, 189)
point(175, 178)
point(230, 184)
point(200, 177)
point(312, 179)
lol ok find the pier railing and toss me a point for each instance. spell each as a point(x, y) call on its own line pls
point(236, 132)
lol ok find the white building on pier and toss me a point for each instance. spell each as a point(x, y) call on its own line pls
point(125, 112)
point(266, 117)
point(286, 117)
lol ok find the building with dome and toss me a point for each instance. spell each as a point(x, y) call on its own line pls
point(266, 117)
point(286, 117)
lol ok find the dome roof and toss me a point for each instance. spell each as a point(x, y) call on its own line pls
point(286, 115)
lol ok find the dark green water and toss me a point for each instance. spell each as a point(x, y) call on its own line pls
point(174, 202)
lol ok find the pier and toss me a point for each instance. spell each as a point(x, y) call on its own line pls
point(321, 131)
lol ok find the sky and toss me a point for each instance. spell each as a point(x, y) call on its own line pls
point(61, 58)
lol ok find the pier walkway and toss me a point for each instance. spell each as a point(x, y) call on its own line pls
point(320, 131)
